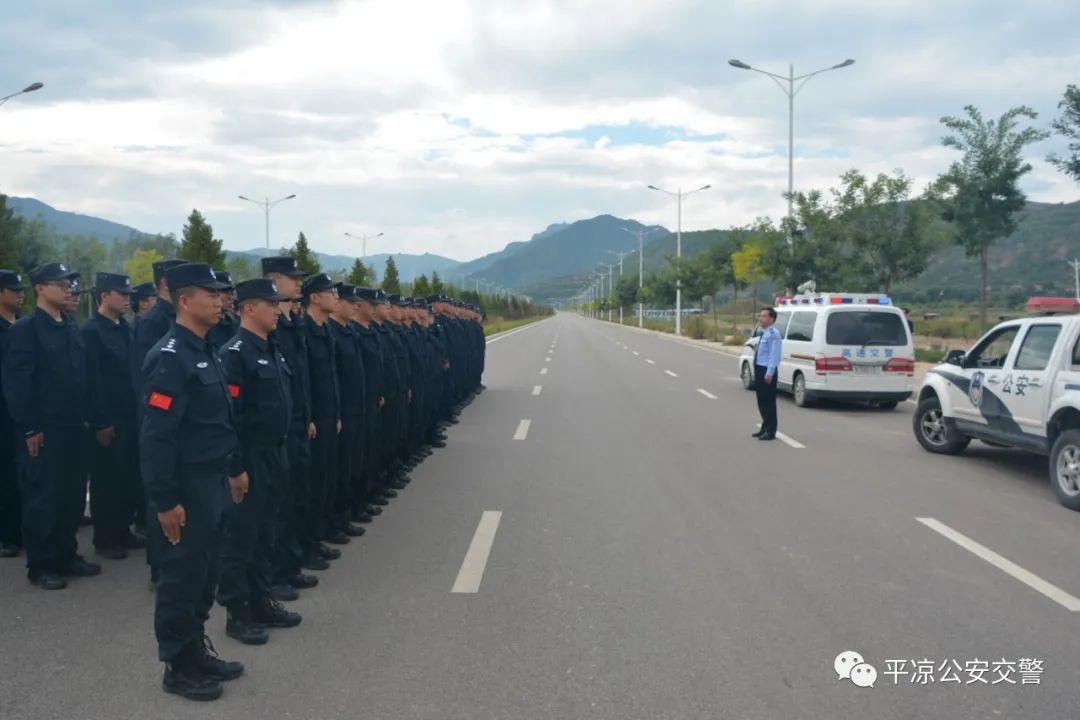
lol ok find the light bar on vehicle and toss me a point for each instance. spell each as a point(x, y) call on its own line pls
point(834, 299)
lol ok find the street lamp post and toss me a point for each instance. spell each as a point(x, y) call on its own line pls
point(266, 204)
point(787, 85)
point(620, 255)
point(640, 268)
point(678, 195)
point(363, 241)
point(28, 89)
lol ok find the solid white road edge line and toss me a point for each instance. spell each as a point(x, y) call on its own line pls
point(472, 567)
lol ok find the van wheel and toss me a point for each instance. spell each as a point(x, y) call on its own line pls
point(932, 432)
point(1065, 469)
point(798, 391)
point(747, 376)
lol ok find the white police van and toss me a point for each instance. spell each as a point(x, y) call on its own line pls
point(840, 346)
point(1019, 386)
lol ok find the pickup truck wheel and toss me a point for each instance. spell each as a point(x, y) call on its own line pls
point(747, 376)
point(798, 391)
point(1065, 469)
point(933, 433)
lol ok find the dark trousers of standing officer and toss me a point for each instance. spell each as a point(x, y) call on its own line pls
point(389, 437)
point(322, 478)
point(356, 497)
point(53, 489)
point(111, 471)
point(10, 504)
point(349, 444)
point(248, 534)
point(766, 399)
point(290, 530)
point(188, 571)
point(372, 461)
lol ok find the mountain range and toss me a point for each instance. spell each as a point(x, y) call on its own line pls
point(556, 262)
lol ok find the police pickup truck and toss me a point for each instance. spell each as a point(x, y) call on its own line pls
point(1019, 386)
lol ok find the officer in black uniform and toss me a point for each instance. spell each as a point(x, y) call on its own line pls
point(187, 440)
point(397, 399)
point(259, 384)
point(115, 487)
point(350, 366)
point(229, 324)
point(143, 299)
point(292, 513)
point(45, 385)
point(375, 384)
point(12, 291)
point(320, 299)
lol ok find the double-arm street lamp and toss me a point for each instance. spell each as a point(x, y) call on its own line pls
point(787, 85)
point(678, 195)
point(266, 204)
point(640, 267)
point(363, 241)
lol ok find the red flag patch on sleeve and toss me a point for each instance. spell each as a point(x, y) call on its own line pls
point(160, 401)
point(234, 391)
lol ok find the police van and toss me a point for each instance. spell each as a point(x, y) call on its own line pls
point(839, 346)
point(1019, 386)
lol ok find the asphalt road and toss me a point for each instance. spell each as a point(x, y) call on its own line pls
point(616, 545)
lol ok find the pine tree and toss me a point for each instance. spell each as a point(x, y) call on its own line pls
point(390, 283)
point(10, 228)
point(360, 274)
point(306, 260)
point(436, 284)
point(421, 287)
point(199, 245)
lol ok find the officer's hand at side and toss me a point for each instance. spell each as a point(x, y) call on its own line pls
point(105, 436)
point(339, 427)
point(409, 394)
point(768, 379)
point(171, 521)
point(382, 401)
point(311, 431)
point(238, 486)
point(34, 444)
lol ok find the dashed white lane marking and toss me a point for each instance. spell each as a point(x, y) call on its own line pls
point(651, 362)
point(543, 371)
point(1069, 602)
point(476, 557)
point(706, 393)
point(522, 430)
point(536, 389)
point(787, 439)
point(636, 352)
point(547, 359)
point(671, 373)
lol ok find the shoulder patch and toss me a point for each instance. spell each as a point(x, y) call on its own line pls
point(263, 361)
point(169, 347)
point(202, 365)
point(236, 345)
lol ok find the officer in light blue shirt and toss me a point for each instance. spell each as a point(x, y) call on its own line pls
point(766, 362)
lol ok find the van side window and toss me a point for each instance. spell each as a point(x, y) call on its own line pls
point(993, 350)
point(782, 320)
point(1038, 345)
point(1076, 353)
point(801, 326)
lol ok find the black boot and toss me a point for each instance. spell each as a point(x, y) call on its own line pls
point(284, 593)
point(270, 613)
point(214, 667)
point(243, 627)
point(184, 677)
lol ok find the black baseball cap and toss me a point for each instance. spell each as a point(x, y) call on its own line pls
point(51, 272)
point(396, 300)
point(11, 280)
point(194, 274)
point(162, 266)
point(283, 264)
point(345, 291)
point(319, 282)
point(225, 277)
point(119, 282)
point(144, 291)
point(259, 289)
point(367, 294)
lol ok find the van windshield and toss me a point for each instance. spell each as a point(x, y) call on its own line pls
point(855, 327)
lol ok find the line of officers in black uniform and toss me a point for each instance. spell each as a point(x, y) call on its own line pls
point(246, 430)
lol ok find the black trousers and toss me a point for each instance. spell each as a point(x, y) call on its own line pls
point(766, 399)
point(113, 474)
point(187, 572)
point(53, 488)
point(248, 536)
point(350, 443)
point(373, 459)
point(322, 476)
point(292, 508)
point(10, 504)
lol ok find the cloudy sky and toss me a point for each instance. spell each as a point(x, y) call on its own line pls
point(456, 126)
